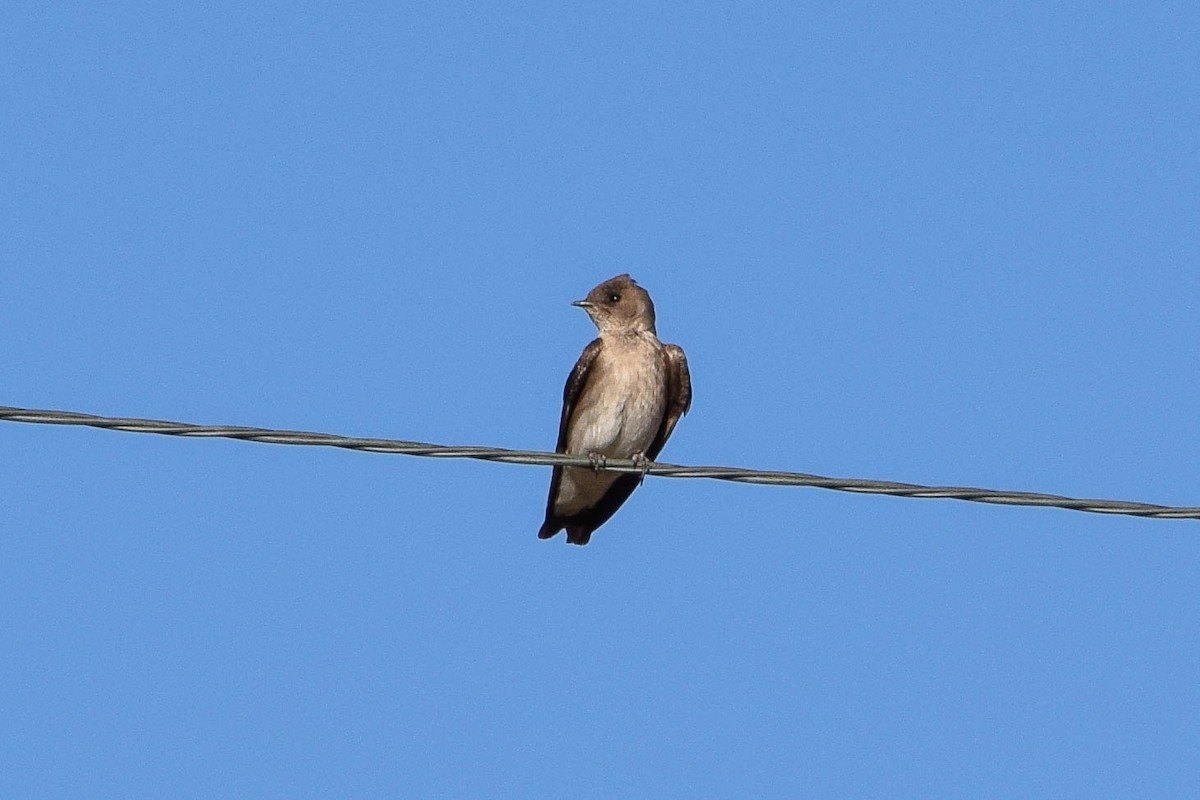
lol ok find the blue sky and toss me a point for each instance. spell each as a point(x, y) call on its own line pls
point(936, 243)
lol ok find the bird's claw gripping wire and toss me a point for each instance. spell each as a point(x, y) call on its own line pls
point(643, 464)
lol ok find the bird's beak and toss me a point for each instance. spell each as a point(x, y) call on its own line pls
point(584, 304)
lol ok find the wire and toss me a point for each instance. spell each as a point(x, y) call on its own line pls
point(537, 458)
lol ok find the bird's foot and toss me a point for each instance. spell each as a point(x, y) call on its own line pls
point(598, 460)
point(643, 464)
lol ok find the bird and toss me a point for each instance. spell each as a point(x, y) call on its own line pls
point(623, 399)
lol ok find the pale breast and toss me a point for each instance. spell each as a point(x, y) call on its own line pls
point(623, 404)
point(617, 416)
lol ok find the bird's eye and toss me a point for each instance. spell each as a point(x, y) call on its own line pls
point(614, 298)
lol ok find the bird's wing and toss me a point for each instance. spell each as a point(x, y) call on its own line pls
point(576, 383)
point(574, 389)
point(679, 397)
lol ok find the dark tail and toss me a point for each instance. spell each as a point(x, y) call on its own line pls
point(575, 534)
point(578, 535)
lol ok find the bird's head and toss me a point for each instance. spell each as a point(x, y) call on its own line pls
point(619, 305)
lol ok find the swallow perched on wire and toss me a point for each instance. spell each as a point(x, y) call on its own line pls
point(622, 400)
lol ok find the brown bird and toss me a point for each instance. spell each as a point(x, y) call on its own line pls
point(622, 400)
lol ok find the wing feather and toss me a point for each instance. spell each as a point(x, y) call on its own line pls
point(576, 382)
point(679, 397)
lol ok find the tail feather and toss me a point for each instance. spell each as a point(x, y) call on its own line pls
point(582, 524)
point(578, 535)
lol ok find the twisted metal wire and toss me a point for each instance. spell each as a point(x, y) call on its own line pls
point(538, 458)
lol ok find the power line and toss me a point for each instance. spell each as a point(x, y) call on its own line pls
point(537, 458)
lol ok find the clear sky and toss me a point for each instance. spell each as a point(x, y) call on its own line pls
point(934, 242)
